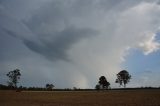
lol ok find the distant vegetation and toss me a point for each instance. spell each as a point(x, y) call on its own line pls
point(13, 76)
point(102, 84)
point(123, 77)
point(49, 86)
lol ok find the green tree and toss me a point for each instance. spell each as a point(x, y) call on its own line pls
point(123, 77)
point(14, 76)
point(103, 83)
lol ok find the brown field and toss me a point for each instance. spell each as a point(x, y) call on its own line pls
point(81, 98)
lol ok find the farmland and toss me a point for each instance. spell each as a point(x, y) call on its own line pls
point(81, 98)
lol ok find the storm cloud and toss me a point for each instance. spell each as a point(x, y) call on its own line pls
point(77, 40)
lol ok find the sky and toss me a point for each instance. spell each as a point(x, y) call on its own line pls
point(71, 43)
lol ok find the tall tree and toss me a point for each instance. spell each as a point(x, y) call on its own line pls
point(14, 76)
point(103, 83)
point(123, 77)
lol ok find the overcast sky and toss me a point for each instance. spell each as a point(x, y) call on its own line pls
point(74, 42)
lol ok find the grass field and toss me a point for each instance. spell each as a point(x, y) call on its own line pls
point(81, 98)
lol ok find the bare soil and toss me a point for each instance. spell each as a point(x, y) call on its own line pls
point(81, 98)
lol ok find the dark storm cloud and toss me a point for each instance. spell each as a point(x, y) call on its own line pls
point(47, 32)
point(52, 25)
point(58, 45)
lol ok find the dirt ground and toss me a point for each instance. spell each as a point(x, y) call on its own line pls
point(81, 98)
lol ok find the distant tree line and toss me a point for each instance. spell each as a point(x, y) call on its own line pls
point(123, 78)
point(20, 88)
point(14, 77)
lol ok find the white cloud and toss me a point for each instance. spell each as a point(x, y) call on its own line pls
point(149, 44)
point(138, 26)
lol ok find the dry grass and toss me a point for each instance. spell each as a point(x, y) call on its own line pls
point(83, 98)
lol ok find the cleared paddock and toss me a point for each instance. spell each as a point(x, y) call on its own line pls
point(81, 98)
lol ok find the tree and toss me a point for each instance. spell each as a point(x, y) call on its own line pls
point(103, 83)
point(123, 78)
point(49, 86)
point(14, 76)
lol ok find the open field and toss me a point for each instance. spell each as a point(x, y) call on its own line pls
point(81, 98)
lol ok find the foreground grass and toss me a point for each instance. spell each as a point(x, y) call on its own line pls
point(81, 98)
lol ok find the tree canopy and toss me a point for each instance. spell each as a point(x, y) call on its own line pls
point(103, 83)
point(123, 77)
point(14, 76)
